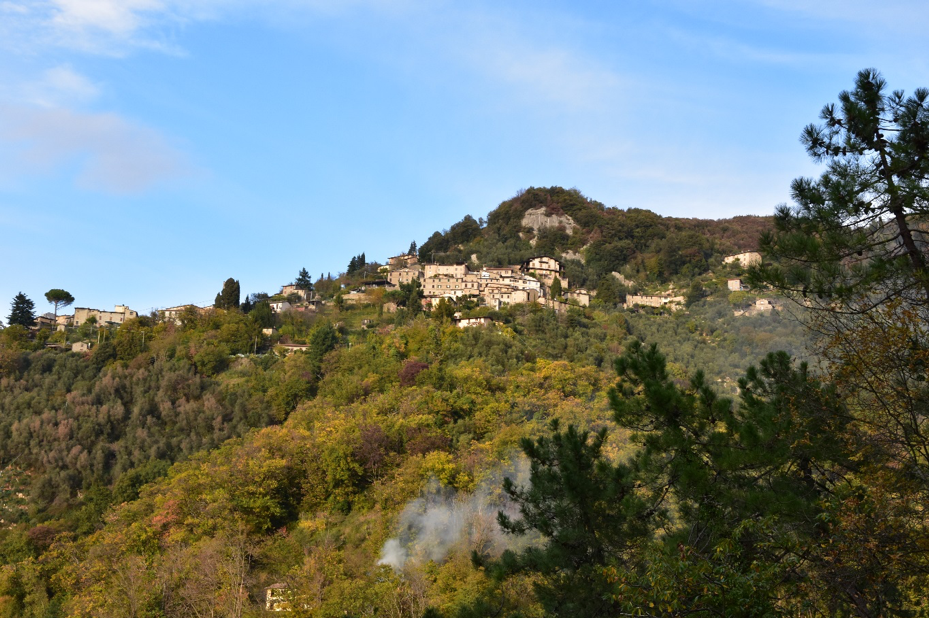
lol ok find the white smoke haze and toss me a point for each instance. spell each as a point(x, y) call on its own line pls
point(443, 520)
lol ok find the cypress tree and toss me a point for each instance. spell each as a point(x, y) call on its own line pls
point(228, 298)
point(556, 288)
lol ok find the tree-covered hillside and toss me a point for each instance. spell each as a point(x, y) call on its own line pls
point(330, 447)
point(372, 458)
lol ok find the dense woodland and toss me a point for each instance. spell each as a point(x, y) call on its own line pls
point(327, 449)
point(593, 462)
point(299, 468)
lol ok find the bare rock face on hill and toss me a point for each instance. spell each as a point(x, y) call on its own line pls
point(573, 255)
point(537, 219)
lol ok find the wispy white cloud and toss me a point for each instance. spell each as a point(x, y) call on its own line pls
point(115, 27)
point(116, 17)
point(537, 64)
point(485, 40)
point(736, 51)
point(57, 86)
point(109, 153)
point(889, 17)
point(108, 27)
point(556, 74)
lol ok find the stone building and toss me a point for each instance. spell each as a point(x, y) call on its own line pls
point(445, 270)
point(439, 286)
point(672, 302)
point(46, 320)
point(467, 322)
point(173, 314)
point(278, 598)
point(405, 275)
point(120, 314)
point(498, 294)
point(499, 272)
point(748, 258)
point(580, 296)
point(736, 285)
point(402, 261)
point(287, 290)
point(545, 269)
point(280, 305)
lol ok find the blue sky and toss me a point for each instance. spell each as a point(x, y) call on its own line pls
point(149, 149)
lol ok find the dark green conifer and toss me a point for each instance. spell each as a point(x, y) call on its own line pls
point(228, 298)
point(303, 281)
point(22, 311)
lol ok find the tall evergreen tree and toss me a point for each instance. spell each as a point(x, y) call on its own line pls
point(589, 511)
point(412, 249)
point(22, 311)
point(228, 298)
point(725, 509)
point(303, 281)
point(859, 230)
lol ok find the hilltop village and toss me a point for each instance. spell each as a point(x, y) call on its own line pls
point(540, 279)
point(548, 248)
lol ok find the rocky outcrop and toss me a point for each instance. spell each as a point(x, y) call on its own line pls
point(573, 255)
point(623, 280)
point(537, 219)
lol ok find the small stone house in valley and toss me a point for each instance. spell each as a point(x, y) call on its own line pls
point(736, 285)
point(278, 598)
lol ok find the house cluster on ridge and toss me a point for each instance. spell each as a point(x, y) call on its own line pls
point(528, 282)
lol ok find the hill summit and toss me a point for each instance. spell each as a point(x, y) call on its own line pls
point(593, 240)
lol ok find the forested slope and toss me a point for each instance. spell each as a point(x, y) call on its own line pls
point(362, 426)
